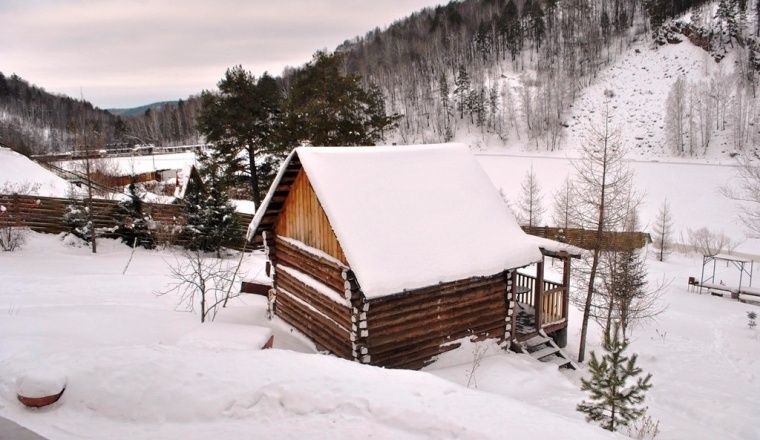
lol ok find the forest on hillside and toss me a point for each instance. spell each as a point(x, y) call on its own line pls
point(501, 69)
point(509, 69)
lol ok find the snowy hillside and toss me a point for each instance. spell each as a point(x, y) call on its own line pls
point(16, 171)
point(640, 81)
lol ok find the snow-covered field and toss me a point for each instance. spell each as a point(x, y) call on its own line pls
point(130, 375)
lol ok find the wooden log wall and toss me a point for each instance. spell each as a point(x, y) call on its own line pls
point(409, 329)
point(45, 214)
point(325, 271)
point(326, 322)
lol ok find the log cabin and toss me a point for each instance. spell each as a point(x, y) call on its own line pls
point(389, 256)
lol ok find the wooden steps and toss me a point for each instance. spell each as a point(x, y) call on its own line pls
point(543, 348)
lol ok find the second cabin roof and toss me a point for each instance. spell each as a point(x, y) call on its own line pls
point(413, 216)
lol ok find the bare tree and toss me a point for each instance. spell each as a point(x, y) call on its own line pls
point(199, 277)
point(703, 114)
point(663, 231)
point(561, 203)
point(530, 209)
point(746, 191)
point(675, 115)
point(625, 295)
point(707, 242)
point(602, 200)
point(13, 228)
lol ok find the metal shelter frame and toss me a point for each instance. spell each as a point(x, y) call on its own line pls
point(739, 263)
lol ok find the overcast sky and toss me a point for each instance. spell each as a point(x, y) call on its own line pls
point(127, 53)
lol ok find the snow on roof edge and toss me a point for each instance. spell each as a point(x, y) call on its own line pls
point(256, 220)
point(558, 246)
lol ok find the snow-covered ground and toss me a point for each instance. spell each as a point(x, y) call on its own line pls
point(132, 374)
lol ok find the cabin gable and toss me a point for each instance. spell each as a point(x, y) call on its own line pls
point(302, 218)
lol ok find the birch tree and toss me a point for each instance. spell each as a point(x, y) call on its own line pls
point(675, 115)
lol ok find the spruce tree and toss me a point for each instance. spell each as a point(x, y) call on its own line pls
point(211, 223)
point(134, 226)
point(615, 391)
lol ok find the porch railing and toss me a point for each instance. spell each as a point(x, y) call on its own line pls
point(553, 302)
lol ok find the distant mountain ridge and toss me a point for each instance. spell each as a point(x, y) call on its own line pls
point(137, 111)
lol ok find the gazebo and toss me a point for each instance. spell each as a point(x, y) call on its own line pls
point(742, 264)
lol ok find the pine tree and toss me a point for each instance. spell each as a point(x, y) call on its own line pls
point(327, 107)
point(615, 391)
point(462, 90)
point(245, 116)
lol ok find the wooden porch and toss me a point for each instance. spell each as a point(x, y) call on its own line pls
point(540, 304)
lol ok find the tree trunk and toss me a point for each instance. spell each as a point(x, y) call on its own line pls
point(254, 176)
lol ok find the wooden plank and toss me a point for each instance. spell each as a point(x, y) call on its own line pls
point(303, 218)
point(397, 356)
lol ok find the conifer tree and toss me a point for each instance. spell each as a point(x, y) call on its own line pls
point(210, 214)
point(245, 116)
point(134, 228)
point(462, 90)
point(663, 231)
point(327, 107)
point(615, 391)
point(530, 204)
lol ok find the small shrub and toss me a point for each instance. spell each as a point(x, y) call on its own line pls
point(643, 428)
point(13, 215)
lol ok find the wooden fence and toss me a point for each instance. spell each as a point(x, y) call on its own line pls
point(45, 214)
point(586, 239)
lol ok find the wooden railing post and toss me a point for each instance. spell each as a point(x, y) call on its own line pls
point(539, 294)
point(565, 283)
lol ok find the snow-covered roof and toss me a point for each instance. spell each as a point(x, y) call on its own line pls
point(556, 247)
point(412, 216)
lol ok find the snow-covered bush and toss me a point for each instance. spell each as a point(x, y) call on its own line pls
point(136, 226)
point(14, 214)
point(76, 218)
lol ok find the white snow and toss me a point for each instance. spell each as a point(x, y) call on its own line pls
point(17, 170)
point(132, 373)
point(410, 211)
point(41, 382)
point(130, 165)
point(225, 336)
